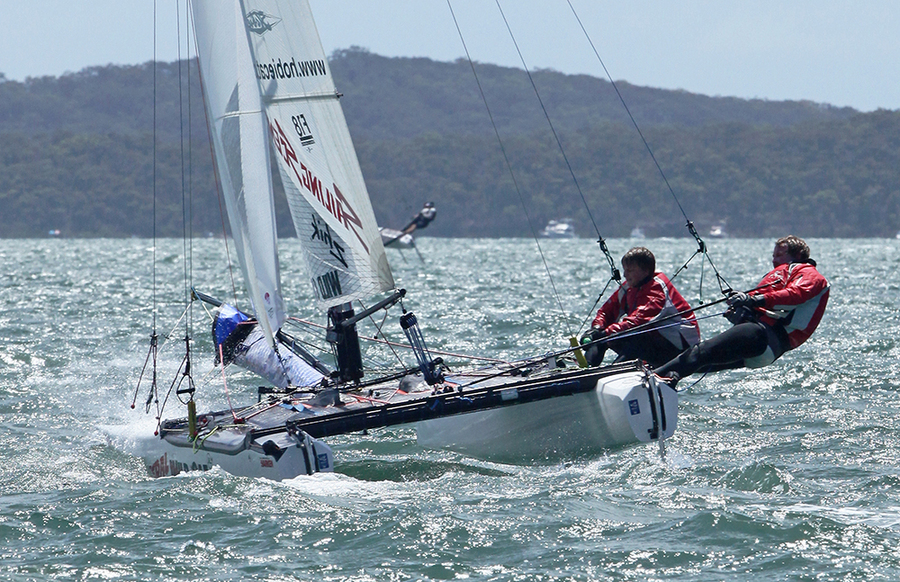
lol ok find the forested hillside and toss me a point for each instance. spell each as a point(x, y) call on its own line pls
point(78, 154)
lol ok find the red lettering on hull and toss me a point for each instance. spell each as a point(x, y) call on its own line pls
point(166, 467)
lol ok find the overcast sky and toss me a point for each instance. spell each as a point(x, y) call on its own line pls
point(829, 51)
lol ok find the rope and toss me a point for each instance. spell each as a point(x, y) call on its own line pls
point(640, 330)
point(508, 165)
point(225, 384)
point(405, 346)
point(701, 246)
point(612, 264)
point(594, 306)
point(159, 409)
point(654, 325)
point(381, 331)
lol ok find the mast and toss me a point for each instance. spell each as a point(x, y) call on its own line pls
point(344, 339)
point(284, 96)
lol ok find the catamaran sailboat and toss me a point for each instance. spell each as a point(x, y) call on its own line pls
point(404, 238)
point(267, 83)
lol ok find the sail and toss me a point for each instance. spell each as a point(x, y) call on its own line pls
point(241, 140)
point(329, 204)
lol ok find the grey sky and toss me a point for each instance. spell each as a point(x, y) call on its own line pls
point(829, 51)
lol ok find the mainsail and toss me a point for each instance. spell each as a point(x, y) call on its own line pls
point(241, 140)
point(325, 190)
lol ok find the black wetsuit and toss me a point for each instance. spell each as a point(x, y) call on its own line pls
point(730, 349)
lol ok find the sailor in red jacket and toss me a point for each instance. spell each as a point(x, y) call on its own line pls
point(778, 316)
point(645, 297)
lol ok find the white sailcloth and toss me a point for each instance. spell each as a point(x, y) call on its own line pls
point(241, 140)
point(329, 204)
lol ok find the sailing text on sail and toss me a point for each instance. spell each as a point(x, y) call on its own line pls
point(328, 285)
point(288, 70)
point(322, 233)
point(334, 202)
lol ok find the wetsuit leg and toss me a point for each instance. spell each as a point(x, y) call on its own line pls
point(653, 348)
point(727, 350)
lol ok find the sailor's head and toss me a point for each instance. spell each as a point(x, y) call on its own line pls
point(638, 264)
point(789, 249)
point(429, 205)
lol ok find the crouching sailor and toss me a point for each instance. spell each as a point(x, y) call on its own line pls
point(779, 316)
point(422, 219)
point(647, 302)
point(241, 341)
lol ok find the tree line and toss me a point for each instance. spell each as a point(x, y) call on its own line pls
point(79, 153)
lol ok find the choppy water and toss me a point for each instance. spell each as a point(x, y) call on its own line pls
point(785, 473)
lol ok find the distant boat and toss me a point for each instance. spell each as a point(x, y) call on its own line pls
point(637, 232)
point(396, 238)
point(404, 238)
point(718, 231)
point(559, 229)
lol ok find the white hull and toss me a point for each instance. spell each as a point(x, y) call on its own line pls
point(396, 239)
point(559, 229)
point(515, 420)
point(618, 412)
point(298, 456)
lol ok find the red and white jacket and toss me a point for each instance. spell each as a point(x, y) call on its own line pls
point(796, 296)
point(654, 299)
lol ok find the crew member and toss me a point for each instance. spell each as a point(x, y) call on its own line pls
point(778, 316)
point(422, 219)
point(649, 301)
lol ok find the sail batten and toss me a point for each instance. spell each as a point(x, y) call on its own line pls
point(237, 114)
point(304, 97)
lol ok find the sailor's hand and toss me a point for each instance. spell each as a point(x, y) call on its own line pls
point(592, 335)
point(734, 316)
point(741, 299)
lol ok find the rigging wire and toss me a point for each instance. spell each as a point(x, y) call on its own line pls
point(701, 245)
point(612, 264)
point(509, 167)
point(394, 344)
point(187, 224)
point(190, 158)
point(379, 328)
point(154, 338)
point(154, 172)
point(187, 219)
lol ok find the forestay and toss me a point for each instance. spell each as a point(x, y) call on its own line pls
point(240, 137)
point(325, 190)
